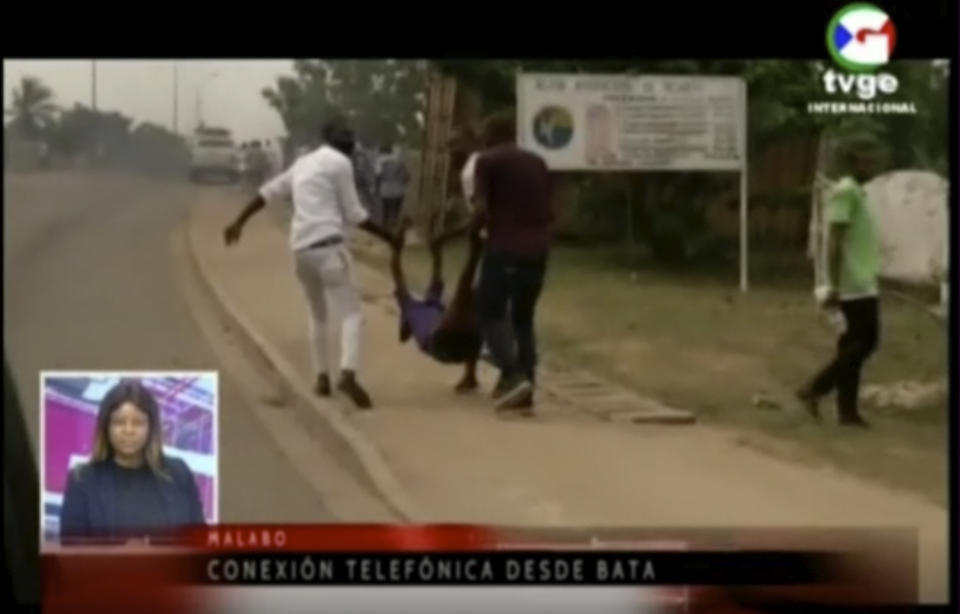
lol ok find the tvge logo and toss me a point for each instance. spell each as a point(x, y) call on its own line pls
point(865, 86)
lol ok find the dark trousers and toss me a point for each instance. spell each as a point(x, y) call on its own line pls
point(507, 295)
point(853, 349)
point(391, 211)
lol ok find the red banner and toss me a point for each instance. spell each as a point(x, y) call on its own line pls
point(105, 583)
point(151, 578)
point(343, 538)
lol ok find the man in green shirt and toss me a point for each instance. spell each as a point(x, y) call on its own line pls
point(853, 268)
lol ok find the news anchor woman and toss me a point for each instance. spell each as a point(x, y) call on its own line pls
point(129, 489)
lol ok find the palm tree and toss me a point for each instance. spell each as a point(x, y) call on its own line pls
point(32, 108)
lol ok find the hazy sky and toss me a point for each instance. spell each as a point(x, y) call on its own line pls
point(143, 89)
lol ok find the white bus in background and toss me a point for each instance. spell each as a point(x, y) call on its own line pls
point(213, 153)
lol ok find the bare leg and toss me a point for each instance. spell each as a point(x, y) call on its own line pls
point(396, 263)
point(461, 311)
point(469, 272)
point(468, 383)
point(436, 255)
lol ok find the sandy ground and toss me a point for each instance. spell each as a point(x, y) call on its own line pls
point(463, 464)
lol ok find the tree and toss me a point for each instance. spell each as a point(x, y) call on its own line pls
point(32, 109)
point(382, 99)
point(155, 149)
point(83, 130)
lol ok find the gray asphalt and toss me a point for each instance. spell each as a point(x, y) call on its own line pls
point(89, 283)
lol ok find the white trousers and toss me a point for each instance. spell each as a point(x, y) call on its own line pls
point(326, 275)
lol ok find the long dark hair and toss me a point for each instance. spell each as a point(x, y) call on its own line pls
point(134, 392)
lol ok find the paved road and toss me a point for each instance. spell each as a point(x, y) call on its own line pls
point(89, 283)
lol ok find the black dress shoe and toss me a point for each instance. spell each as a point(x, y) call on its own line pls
point(351, 387)
point(322, 385)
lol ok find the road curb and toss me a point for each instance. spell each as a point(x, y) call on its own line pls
point(365, 451)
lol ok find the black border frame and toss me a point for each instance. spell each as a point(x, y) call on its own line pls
point(925, 29)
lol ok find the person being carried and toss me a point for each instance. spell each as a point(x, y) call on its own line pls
point(448, 333)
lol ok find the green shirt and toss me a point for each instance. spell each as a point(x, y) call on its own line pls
point(860, 251)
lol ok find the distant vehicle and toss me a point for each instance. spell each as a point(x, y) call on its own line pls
point(213, 153)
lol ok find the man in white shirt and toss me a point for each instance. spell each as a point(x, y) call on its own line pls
point(324, 195)
point(466, 140)
point(467, 182)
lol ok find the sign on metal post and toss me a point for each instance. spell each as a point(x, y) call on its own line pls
point(589, 122)
point(744, 188)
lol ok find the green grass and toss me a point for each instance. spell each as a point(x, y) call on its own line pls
point(695, 342)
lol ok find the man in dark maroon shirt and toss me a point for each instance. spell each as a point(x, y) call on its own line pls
point(513, 200)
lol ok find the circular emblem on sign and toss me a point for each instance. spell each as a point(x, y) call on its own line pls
point(553, 127)
point(861, 37)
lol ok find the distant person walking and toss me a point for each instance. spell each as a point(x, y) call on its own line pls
point(853, 270)
point(44, 155)
point(513, 203)
point(393, 177)
point(323, 190)
point(365, 173)
point(242, 165)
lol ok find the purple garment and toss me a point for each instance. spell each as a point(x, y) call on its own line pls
point(421, 316)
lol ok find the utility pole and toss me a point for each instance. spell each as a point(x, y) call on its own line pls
point(93, 84)
point(97, 145)
point(176, 99)
point(210, 77)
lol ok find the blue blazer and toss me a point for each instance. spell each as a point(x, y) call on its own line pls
point(89, 501)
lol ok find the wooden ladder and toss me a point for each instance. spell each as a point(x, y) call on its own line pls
point(435, 157)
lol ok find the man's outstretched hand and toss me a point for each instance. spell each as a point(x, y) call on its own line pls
point(231, 234)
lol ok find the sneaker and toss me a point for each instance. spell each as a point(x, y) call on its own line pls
point(500, 388)
point(516, 390)
point(322, 386)
point(855, 421)
point(522, 406)
point(351, 387)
